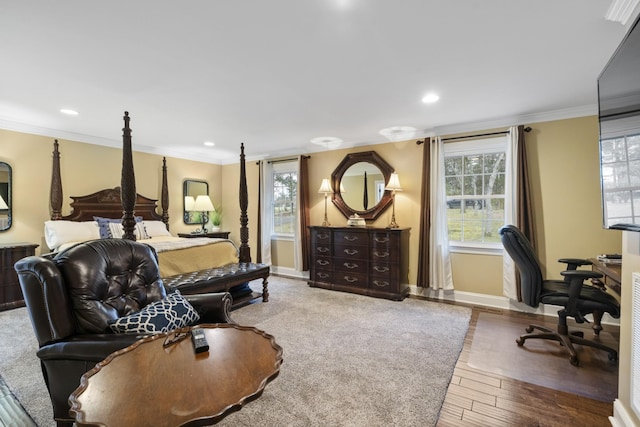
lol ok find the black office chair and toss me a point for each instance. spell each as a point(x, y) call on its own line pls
point(577, 300)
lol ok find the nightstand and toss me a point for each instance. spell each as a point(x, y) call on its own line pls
point(213, 234)
point(10, 292)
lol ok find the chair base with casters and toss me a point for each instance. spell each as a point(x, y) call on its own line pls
point(566, 338)
point(574, 294)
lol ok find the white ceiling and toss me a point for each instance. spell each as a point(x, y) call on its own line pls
point(276, 73)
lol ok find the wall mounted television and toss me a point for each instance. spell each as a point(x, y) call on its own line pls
point(619, 120)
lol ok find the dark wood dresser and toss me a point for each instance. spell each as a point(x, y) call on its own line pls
point(10, 292)
point(368, 261)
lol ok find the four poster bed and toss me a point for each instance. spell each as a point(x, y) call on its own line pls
point(193, 265)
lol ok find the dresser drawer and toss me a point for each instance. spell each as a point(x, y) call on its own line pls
point(351, 252)
point(384, 269)
point(321, 237)
point(351, 265)
point(322, 276)
point(344, 278)
point(351, 238)
point(321, 250)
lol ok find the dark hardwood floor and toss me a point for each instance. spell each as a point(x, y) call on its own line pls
point(479, 398)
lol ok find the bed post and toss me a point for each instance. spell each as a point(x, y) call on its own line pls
point(245, 251)
point(165, 194)
point(127, 183)
point(55, 192)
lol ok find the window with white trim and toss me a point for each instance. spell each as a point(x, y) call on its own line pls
point(284, 209)
point(620, 172)
point(475, 191)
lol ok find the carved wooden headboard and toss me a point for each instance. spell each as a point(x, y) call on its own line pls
point(124, 202)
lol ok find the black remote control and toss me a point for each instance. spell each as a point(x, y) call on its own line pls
point(200, 344)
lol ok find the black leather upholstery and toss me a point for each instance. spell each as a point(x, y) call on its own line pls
point(73, 295)
point(576, 298)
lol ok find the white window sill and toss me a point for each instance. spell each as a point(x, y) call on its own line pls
point(493, 250)
point(283, 237)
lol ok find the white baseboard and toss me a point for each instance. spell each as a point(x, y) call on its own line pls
point(621, 417)
point(493, 301)
point(289, 272)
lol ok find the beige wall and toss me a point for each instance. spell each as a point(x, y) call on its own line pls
point(85, 169)
point(563, 158)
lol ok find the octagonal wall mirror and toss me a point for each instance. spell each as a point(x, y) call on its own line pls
point(193, 188)
point(358, 184)
point(5, 196)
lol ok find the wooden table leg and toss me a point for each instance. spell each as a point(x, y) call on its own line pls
point(265, 290)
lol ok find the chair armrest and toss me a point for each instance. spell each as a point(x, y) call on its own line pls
point(90, 347)
point(573, 263)
point(576, 279)
point(212, 307)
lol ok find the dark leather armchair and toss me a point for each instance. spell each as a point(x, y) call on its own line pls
point(576, 298)
point(73, 295)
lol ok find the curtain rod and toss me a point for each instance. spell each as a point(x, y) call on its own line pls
point(284, 160)
point(504, 132)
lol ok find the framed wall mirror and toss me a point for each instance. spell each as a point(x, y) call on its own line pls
point(5, 196)
point(358, 184)
point(192, 189)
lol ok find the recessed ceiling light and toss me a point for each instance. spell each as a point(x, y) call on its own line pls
point(209, 143)
point(327, 141)
point(429, 98)
point(398, 133)
point(69, 112)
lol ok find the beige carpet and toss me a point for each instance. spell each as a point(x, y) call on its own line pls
point(349, 360)
point(543, 362)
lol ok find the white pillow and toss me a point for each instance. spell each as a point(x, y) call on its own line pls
point(58, 233)
point(156, 228)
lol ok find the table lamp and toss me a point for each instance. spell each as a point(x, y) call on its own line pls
point(325, 188)
point(393, 186)
point(203, 204)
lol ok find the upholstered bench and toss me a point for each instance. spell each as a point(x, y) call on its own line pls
point(232, 278)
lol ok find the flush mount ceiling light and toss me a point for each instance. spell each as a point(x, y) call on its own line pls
point(69, 112)
point(430, 98)
point(398, 133)
point(328, 142)
point(209, 143)
point(620, 10)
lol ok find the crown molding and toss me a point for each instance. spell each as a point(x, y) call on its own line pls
point(621, 10)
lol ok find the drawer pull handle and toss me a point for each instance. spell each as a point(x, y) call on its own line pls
point(351, 238)
point(323, 249)
point(322, 262)
point(350, 279)
point(381, 254)
point(323, 236)
point(350, 251)
point(350, 265)
point(382, 239)
point(381, 283)
point(381, 269)
point(323, 275)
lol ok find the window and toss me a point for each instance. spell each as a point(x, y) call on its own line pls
point(620, 168)
point(475, 191)
point(285, 184)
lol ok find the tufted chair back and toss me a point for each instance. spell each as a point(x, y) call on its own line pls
point(107, 279)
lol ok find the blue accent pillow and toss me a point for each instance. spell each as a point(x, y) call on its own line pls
point(170, 313)
point(106, 231)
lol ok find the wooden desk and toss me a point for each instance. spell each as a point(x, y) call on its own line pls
point(149, 384)
point(611, 275)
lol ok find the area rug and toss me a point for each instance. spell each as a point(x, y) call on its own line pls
point(349, 360)
point(543, 362)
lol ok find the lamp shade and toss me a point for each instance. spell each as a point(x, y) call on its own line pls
point(189, 201)
point(394, 183)
point(203, 204)
point(325, 187)
point(3, 204)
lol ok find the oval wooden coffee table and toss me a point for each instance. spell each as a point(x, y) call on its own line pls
point(149, 383)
